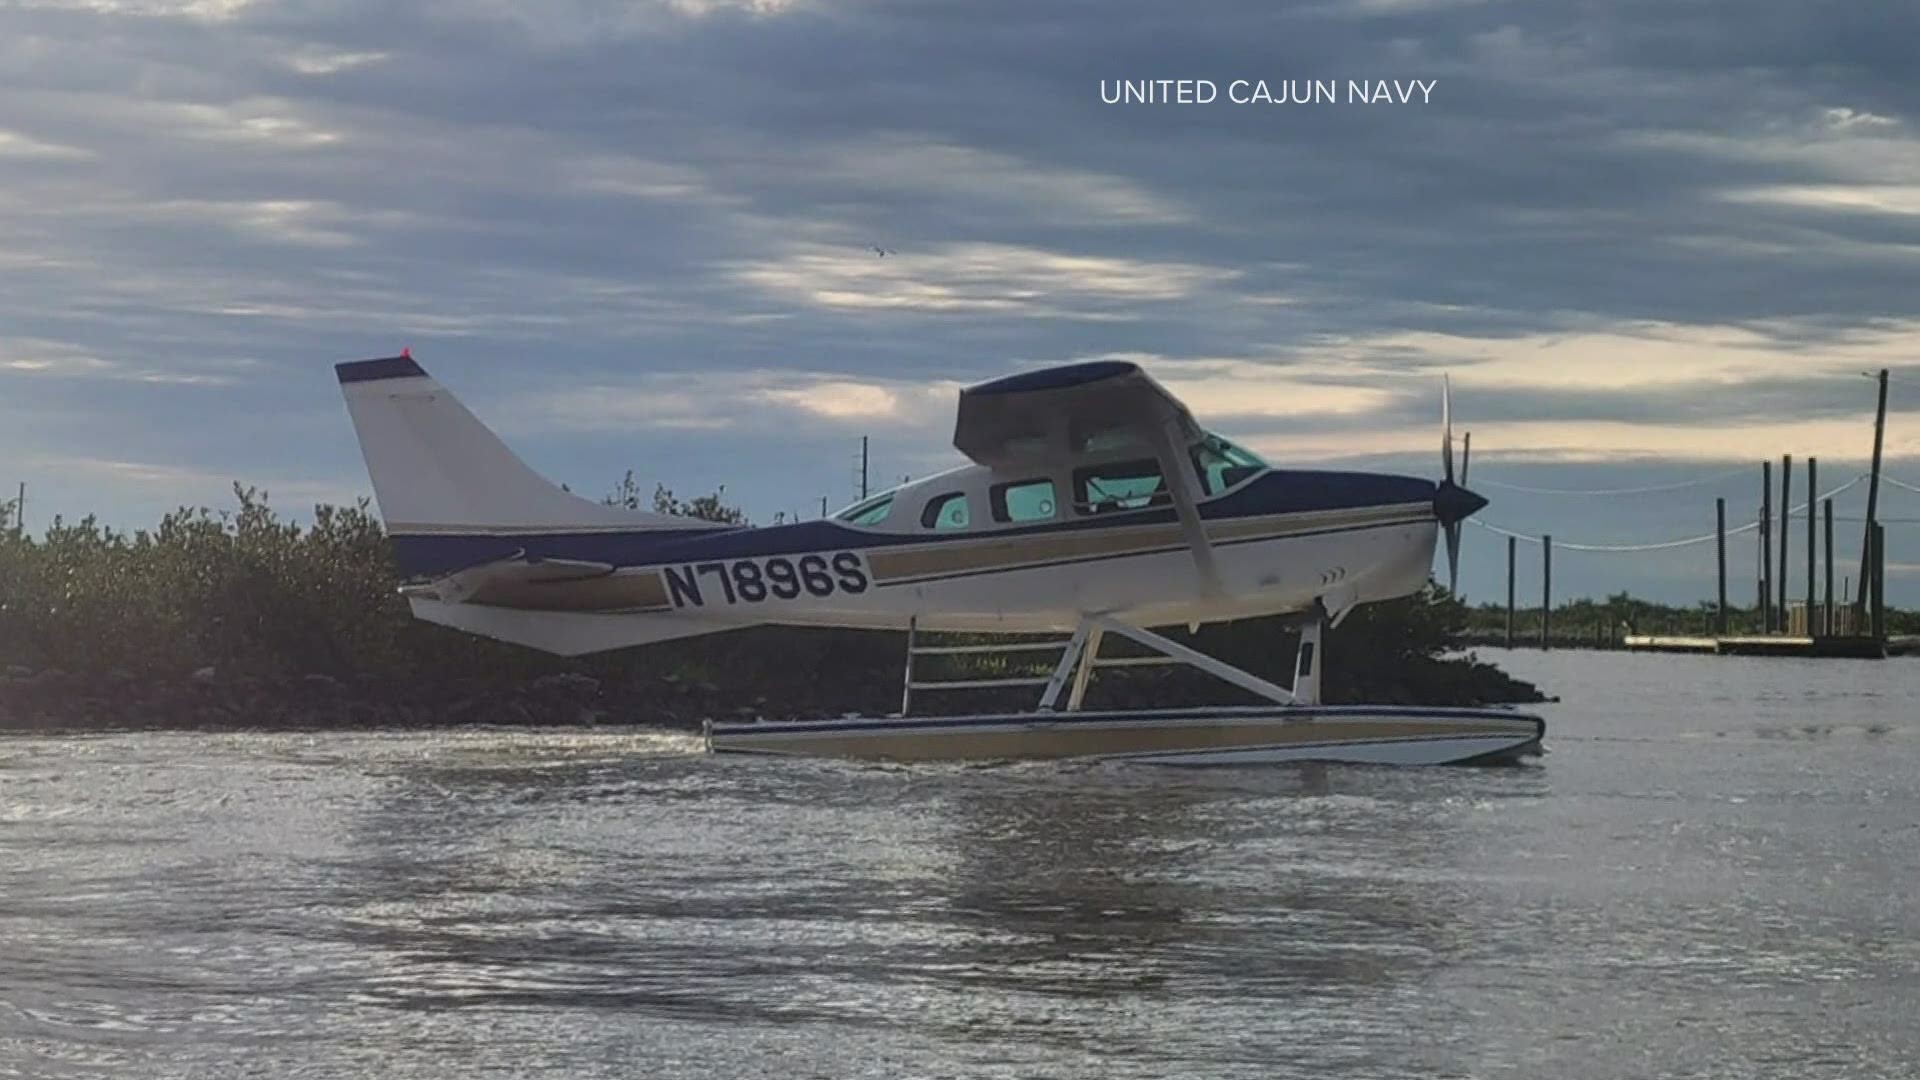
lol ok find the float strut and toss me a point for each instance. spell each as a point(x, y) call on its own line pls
point(1306, 666)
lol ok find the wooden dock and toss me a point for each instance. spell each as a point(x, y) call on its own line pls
point(1864, 648)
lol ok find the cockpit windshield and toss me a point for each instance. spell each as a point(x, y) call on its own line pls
point(871, 512)
point(1222, 464)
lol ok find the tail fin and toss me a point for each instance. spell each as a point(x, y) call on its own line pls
point(436, 468)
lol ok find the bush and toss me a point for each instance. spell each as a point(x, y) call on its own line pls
point(252, 595)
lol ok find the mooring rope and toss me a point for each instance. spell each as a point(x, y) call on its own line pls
point(1665, 544)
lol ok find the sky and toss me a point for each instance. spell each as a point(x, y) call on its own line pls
point(1651, 243)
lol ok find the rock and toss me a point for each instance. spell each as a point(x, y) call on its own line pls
point(326, 683)
point(19, 671)
point(204, 675)
point(567, 682)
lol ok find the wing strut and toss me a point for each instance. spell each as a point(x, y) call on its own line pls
point(1173, 467)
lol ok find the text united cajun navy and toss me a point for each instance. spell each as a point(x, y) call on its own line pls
point(1262, 92)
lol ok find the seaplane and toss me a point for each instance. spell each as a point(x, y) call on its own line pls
point(1092, 506)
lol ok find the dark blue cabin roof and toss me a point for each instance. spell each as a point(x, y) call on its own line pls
point(1056, 378)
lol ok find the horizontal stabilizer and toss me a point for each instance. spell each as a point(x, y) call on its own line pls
point(511, 576)
point(566, 633)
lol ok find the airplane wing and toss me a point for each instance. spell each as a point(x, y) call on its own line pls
point(1060, 414)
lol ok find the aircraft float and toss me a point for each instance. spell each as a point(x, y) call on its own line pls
point(1093, 506)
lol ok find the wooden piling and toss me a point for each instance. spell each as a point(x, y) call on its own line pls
point(1766, 547)
point(1786, 521)
point(1826, 619)
point(1720, 557)
point(1546, 589)
point(1813, 495)
point(1873, 502)
point(1511, 542)
point(1879, 582)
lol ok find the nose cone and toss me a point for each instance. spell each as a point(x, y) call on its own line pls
point(1453, 503)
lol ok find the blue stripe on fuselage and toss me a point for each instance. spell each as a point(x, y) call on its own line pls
point(1276, 492)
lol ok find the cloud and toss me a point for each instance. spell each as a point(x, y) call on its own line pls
point(208, 10)
point(743, 399)
point(1878, 198)
point(1619, 442)
point(15, 145)
point(1641, 228)
point(1007, 279)
point(63, 360)
point(318, 61)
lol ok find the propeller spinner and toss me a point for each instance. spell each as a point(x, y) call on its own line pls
point(1453, 503)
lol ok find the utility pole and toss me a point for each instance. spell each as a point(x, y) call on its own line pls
point(20, 512)
point(863, 466)
point(823, 506)
point(1873, 503)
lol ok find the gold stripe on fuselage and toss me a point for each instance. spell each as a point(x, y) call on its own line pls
point(622, 590)
point(950, 557)
point(640, 590)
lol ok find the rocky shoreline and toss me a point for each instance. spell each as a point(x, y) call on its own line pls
point(206, 700)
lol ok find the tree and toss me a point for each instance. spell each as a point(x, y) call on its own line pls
point(703, 507)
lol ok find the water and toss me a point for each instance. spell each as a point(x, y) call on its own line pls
point(1712, 874)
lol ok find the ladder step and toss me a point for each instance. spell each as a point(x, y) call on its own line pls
point(981, 650)
point(976, 684)
point(1136, 661)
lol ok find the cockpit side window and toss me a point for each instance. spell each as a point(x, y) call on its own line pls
point(1221, 465)
point(869, 513)
point(1122, 485)
point(1023, 500)
point(946, 512)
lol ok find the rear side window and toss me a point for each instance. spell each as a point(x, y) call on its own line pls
point(1024, 500)
point(1123, 485)
point(946, 512)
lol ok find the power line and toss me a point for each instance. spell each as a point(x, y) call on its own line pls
point(1666, 544)
point(1675, 486)
point(1572, 546)
point(1885, 479)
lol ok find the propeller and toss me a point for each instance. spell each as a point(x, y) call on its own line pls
point(1452, 502)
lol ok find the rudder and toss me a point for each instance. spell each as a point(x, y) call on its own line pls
point(437, 469)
